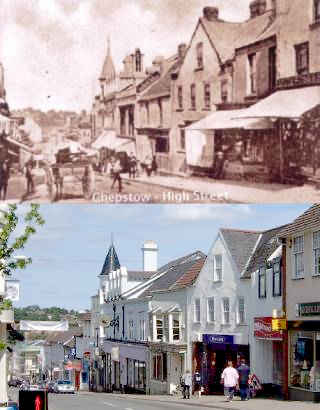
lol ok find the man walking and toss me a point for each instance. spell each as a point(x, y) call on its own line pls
point(116, 173)
point(230, 379)
point(187, 384)
point(244, 375)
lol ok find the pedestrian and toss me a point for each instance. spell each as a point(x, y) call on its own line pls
point(4, 179)
point(230, 379)
point(187, 384)
point(29, 177)
point(132, 166)
point(116, 173)
point(148, 165)
point(314, 374)
point(154, 165)
point(58, 180)
point(219, 165)
point(197, 384)
point(88, 182)
point(244, 377)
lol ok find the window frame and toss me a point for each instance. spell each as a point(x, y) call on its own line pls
point(314, 249)
point(180, 97)
point(252, 64)
point(224, 311)
point(262, 274)
point(200, 63)
point(274, 292)
point(197, 310)
point(193, 97)
point(241, 320)
point(300, 69)
point(176, 315)
point(224, 91)
point(158, 361)
point(217, 278)
point(211, 319)
point(295, 253)
point(316, 11)
point(159, 318)
point(182, 140)
point(207, 96)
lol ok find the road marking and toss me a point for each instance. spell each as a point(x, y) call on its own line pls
point(108, 404)
point(128, 408)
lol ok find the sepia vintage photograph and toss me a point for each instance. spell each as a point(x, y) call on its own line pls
point(208, 101)
point(160, 101)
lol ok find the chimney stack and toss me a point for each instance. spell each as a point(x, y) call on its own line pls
point(158, 62)
point(182, 48)
point(150, 256)
point(211, 13)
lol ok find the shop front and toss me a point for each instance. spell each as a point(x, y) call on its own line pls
point(304, 354)
point(267, 355)
point(210, 357)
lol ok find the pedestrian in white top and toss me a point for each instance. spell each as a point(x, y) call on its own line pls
point(230, 380)
point(187, 384)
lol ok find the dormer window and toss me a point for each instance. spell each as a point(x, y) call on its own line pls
point(200, 55)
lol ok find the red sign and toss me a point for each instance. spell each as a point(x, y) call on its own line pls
point(263, 329)
point(73, 365)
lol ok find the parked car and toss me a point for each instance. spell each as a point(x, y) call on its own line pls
point(64, 386)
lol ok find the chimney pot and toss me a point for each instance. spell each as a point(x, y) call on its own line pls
point(211, 13)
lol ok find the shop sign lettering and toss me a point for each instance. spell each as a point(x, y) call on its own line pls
point(309, 309)
point(220, 339)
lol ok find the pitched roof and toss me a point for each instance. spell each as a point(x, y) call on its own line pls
point(178, 274)
point(134, 275)
point(310, 219)
point(241, 245)
point(162, 87)
point(111, 262)
point(85, 316)
point(265, 248)
point(227, 36)
point(63, 337)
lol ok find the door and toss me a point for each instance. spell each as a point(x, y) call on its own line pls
point(116, 368)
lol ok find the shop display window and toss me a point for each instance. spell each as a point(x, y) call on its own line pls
point(305, 360)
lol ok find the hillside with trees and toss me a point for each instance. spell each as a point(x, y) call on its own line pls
point(34, 312)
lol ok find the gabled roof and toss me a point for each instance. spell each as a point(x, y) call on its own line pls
point(310, 219)
point(111, 262)
point(64, 337)
point(178, 274)
point(226, 37)
point(267, 245)
point(241, 244)
point(162, 87)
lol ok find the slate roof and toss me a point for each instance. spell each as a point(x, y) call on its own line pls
point(310, 219)
point(267, 245)
point(178, 274)
point(85, 316)
point(63, 337)
point(111, 262)
point(227, 36)
point(139, 275)
point(162, 87)
point(241, 245)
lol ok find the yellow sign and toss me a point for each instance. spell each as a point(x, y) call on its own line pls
point(279, 324)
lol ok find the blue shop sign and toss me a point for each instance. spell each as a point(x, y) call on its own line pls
point(220, 339)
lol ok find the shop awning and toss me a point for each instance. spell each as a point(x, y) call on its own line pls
point(284, 104)
point(129, 147)
point(104, 140)
point(220, 120)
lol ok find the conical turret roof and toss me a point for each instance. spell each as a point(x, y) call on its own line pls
point(108, 70)
point(111, 262)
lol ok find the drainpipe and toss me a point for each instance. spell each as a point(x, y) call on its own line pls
point(122, 321)
point(285, 332)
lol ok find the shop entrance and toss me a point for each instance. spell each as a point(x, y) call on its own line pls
point(210, 360)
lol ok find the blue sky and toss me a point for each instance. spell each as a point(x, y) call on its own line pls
point(69, 250)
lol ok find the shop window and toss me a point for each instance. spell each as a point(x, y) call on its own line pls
point(298, 255)
point(217, 268)
point(160, 366)
point(276, 279)
point(200, 55)
point(142, 325)
point(316, 10)
point(316, 253)
point(252, 60)
point(262, 288)
point(304, 360)
point(197, 312)
point(180, 98)
point(193, 97)
point(210, 309)
point(241, 311)
point(131, 329)
point(182, 139)
point(162, 145)
point(224, 91)
point(159, 328)
point(175, 326)
point(207, 96)
point(225, 311)
point(302, 58)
